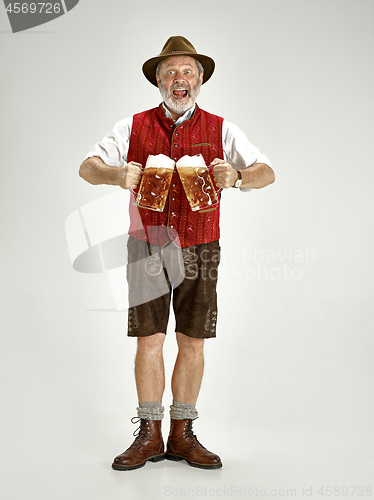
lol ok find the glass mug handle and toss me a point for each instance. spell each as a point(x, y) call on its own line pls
point(138, 186)
point(210, 170)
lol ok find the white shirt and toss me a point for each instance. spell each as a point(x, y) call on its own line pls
point(238, 151)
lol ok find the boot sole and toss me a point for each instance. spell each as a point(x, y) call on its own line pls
point(157, 458)
point(177, 458)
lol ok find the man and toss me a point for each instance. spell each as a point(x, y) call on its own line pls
point(176, 128)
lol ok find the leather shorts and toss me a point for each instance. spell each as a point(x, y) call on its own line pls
point(159, 276)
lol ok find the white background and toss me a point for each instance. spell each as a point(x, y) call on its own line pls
point(287, 396)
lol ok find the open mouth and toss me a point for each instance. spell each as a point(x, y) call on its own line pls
point(180, 93)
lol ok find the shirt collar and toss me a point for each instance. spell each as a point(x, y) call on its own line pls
point(187, 115)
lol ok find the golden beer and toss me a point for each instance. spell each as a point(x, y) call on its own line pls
point(155, 183)
point(197, 182)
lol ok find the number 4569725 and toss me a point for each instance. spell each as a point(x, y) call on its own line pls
point(33, 8)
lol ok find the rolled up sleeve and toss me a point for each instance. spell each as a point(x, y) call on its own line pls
point(238, 151)
point(114, 146)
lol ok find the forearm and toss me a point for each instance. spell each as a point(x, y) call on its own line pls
point(95, 171)
point(257, 176)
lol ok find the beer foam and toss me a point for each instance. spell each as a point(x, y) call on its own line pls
point(160, 161)
point(191, 161)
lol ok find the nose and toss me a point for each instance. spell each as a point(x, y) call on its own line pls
point(178, 77)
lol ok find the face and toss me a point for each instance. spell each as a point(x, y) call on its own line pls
point(179, 83)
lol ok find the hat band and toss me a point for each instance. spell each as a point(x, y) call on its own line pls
point(176, 52)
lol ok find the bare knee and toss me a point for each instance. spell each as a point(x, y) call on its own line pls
point(189, 345)
point(152, 343)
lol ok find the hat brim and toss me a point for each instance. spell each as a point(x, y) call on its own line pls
point(149, 67)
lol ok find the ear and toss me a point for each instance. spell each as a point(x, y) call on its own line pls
point(201, 78)
point(158, 80)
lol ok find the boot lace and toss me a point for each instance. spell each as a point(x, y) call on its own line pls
point(141, 432)
point(189, 433)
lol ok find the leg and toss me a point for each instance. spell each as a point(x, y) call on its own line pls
point(150, 384)
point(149, 368)
point(187, 376)
point(195, 307)
point(188, 369)
point(146, 316)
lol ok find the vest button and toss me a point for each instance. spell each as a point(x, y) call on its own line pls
point(175, 145)
point(177, 133)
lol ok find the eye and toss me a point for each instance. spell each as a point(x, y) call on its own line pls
point(188, 71)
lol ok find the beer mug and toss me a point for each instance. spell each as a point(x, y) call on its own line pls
point(155, 183)
point(197, 182)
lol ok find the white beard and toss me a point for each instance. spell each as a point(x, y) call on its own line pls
point(179, 107)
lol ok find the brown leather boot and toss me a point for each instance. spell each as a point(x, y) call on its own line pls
point(183, 444)
point(148, 445)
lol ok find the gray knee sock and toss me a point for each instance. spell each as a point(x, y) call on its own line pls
point(151, 410)
point(181, 411)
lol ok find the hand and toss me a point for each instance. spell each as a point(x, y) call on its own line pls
point(224, 175)
point(129, 175)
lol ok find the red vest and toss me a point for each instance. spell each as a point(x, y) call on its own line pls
point(153, 133)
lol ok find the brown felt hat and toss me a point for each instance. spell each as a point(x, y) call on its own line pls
point(177, 46)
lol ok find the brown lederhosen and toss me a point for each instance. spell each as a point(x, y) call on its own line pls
point(186, 276)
